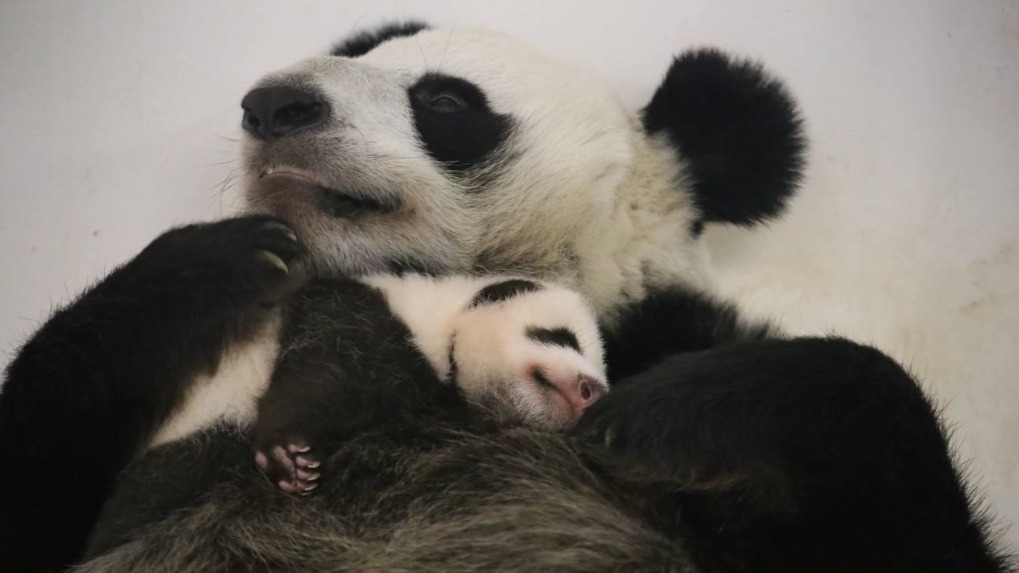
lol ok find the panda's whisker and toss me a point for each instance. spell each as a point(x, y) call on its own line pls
point(445, 49)
point(421, 50)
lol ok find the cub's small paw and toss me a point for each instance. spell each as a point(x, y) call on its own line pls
point(292, 466)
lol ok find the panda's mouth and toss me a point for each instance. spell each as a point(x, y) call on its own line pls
point(335, 202)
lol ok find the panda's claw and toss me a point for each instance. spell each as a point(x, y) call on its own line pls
point(274, 260)
point(306, 461)
point(296, 448)
point(287, 232)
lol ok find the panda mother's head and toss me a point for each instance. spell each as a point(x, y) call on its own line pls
point(465, 150)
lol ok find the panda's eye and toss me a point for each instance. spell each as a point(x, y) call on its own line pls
point(446, 102)
point(454, 122)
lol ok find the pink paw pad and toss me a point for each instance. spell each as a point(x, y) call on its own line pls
point(293, 467)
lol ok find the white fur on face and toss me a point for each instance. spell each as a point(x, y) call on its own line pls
point(369, 150)
point(497, 362)
point(494, 359)
point(577, 194)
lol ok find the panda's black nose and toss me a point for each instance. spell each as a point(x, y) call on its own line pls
point(274, 112)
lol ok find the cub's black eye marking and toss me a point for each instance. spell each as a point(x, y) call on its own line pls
point(454, 369)
point(561, 336)
point(455, 123)
point(541, 379)
point(503, 291)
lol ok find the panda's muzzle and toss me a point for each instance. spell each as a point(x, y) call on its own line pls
point(292, 184)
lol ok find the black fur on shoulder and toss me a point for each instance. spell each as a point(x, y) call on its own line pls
point(670, 321)
point(738, 131)
point(363, 42)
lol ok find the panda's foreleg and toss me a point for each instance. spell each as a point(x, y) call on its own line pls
point(792, 455)
point(670, 321)
point(87, 391)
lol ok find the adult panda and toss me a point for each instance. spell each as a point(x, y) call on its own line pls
point(718, 449)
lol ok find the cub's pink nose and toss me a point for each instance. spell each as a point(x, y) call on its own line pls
point(582, 392)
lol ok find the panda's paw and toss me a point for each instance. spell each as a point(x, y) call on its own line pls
point(249, 260)
point(292, 466)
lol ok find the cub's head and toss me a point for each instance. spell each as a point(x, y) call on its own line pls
point(465, 150)
point(528, 352)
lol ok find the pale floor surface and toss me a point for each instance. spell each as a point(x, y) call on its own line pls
point(119, 118)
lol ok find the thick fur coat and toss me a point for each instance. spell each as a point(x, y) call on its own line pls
point(721, 447)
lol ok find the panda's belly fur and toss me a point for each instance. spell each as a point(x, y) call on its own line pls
point(643, 242)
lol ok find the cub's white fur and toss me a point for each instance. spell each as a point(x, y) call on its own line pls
point(494, 358)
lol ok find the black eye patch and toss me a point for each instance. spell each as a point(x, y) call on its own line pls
point(561, 336)
point(455, 124)
point(505, 290)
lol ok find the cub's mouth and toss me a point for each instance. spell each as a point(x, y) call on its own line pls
point(281, 186)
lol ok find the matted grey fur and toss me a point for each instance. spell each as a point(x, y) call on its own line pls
point(422, 499)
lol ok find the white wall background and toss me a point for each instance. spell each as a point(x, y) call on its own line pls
point(118, 118)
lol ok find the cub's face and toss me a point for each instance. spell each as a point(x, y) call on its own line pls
point(442, 151)
point(528, 353)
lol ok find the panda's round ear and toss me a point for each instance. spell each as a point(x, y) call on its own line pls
point(738, 132)
point(363, 42)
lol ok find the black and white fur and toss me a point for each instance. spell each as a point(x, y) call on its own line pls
point(516, 350)
point(719, 448)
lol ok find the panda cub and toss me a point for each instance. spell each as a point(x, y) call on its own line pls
point(507, 350)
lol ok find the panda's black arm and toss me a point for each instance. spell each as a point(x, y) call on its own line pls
point(794, 456)
point(87, 391)
point(669, 321)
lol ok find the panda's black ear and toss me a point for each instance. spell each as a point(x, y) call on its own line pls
point(363, 42)
point(737, 130)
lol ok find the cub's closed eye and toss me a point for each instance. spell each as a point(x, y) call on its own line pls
point(446, 102)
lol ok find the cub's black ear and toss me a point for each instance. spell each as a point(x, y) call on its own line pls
point(737, 130)
point(363, 42)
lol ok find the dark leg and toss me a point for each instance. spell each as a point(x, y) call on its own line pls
point(793, 455)
point(87, 391)
point(346, 363)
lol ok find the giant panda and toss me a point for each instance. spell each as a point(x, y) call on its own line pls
point(722, 446)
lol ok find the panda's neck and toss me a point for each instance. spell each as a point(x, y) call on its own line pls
point(632, 234)
point(645, 240)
